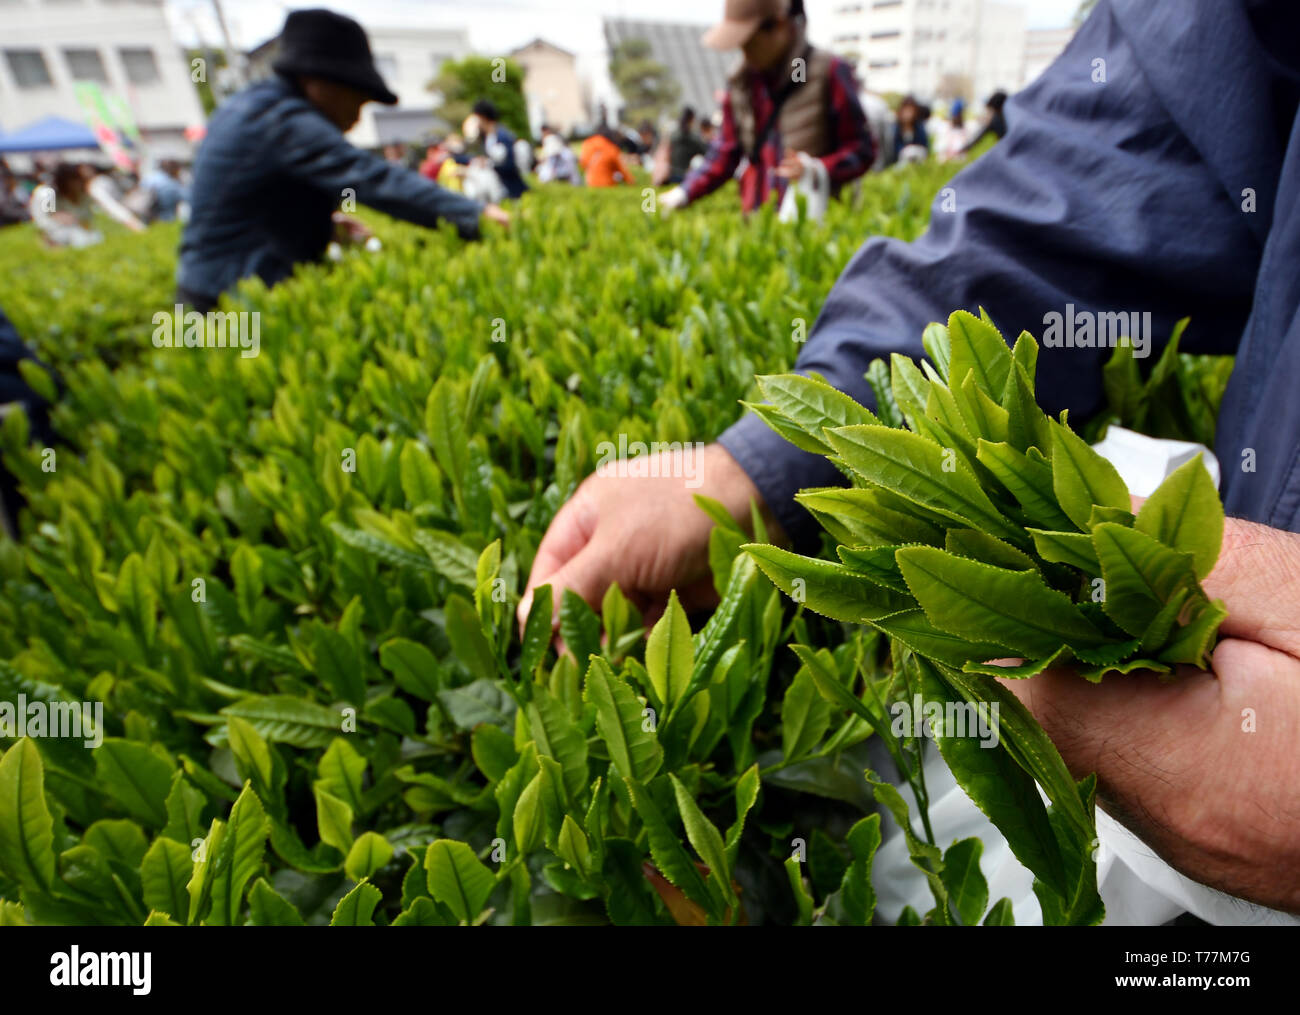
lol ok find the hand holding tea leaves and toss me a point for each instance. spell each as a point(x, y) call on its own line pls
point(1202, 766)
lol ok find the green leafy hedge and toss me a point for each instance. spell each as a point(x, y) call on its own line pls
point(291, 582)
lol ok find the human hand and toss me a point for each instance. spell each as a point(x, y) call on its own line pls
point(791, 166)
point(1202, 768)
point(497, 214)
point(671, 201)
point(644, 531)
point(349, 230)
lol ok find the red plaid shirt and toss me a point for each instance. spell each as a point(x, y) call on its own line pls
point(854, 151)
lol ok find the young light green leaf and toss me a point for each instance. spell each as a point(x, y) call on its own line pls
point(26, 826)
point(634, 753)
point(1081, 478)
point(368, 854)
point(977, 601)
point(1185, 513)
point(457, 879)
point(670, 653)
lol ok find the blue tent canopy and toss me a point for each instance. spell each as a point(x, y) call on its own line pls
point(50, 134)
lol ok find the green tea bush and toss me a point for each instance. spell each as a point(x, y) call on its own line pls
point(291, 581)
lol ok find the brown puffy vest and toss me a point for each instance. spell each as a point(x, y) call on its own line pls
point(804, 120)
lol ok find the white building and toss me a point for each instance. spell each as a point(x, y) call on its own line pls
point(1042, 47)
point(408, 60)
point(124, 46)
point(934, 49)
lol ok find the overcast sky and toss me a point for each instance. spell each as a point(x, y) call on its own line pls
point(500, 25)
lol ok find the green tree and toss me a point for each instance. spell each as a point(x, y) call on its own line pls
point(647, 88)
point(204, 66)
point(463, 82)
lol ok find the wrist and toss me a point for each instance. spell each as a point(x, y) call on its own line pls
point(726, 481)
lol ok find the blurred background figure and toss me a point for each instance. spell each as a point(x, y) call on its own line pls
point(787, 106)
point(444, 163)
point(498, 144)
point(911, 141)
point(953, 142)
point(107, 193)
point(558, 163)
point(13, 201)
point(995, 123)
point(64, 208)
point(684, 146)
point(601, 160)
point(275, 167)
point(168, 195)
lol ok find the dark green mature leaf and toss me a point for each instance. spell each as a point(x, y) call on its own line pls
point(465, 632)
point(886, 408)
point(137, 778)
point(1185, 513)
point(634, 753)
point(1081, 478)
point(288, 720)
point(26, 826)
point(415, 669)
point(666, 848)
point(977, 601)
point(1000, 914)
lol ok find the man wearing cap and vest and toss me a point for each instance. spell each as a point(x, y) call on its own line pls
point(787, 106)
point(275, 165)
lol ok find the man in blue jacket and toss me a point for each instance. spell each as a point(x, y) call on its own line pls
point(1154, 167)
point(275, 165)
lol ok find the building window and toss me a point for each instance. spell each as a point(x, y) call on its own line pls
point(28, 68)
point(386, 63)
point(887, 3)
point(140, 66)
point(882, 64)
point(893, 33)
point(86, 65)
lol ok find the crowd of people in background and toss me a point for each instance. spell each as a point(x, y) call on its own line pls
point(61, 198)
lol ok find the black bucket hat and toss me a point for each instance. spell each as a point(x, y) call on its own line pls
point(330, 46)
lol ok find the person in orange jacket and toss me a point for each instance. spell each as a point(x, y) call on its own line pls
point(602, 162)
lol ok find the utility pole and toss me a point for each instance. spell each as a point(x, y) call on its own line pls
point(234, 57)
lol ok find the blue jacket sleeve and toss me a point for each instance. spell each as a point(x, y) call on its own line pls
point(310, 148)
point(1096, 198)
